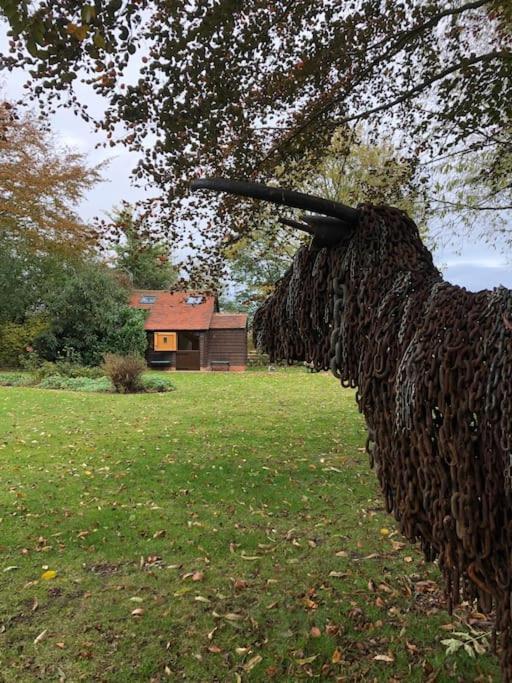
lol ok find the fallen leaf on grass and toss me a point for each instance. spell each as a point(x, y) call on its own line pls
point(306, 660)
point(338, 575)
point(315, 632)
point(49, 575)
point(11, 568)
point(61, 646)
point(40, 637)
point(136, 599)
point(254, 661)
point(215, 649)
point(138, 612)
point(477, 616)
point(384, 658)
point(310, 604)
point(425, 586)
point(332, 629)
point(195, 576)
point(232, 616)
point(337, 656)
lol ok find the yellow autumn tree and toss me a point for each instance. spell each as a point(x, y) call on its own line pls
point(41, 185)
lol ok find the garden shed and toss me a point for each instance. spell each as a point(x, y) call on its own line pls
point(186, 331)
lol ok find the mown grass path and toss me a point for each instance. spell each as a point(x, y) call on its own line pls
point(227, 531)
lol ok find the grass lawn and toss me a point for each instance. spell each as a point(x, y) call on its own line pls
point(227, 531)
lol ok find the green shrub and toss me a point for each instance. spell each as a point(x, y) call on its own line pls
point(15, 379)
point(90, 316)
point(16, 340)
point(46, 369)
point(127, 336)
point(66, 369)
point(153, 384)
point(125, 372)
point(30, 361)
point(100, 384)
point(70, 370)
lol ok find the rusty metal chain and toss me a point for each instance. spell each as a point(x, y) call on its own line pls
point(432, 364)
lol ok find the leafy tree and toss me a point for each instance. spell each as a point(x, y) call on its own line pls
point(355, 170)
point(352, 171)
point(40, 186)
point(146, 263)
point(26, 277)
point(255, 265)
point(243, 88)
point(89, 316)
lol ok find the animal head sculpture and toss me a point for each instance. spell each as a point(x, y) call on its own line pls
point(349, 249)
point(432, 368)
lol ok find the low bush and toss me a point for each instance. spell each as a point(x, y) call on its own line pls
point(101, 384)
point(15, 379)
point(49, 376)
point(66, 369)
point(154, 384)
point(30, 361)
point(125, 372)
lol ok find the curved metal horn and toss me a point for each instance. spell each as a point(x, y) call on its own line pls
point(297, 225)
point(296, 200)
point(329, 230)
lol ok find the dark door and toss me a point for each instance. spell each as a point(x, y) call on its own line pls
point(188, 355)
point(187, 360)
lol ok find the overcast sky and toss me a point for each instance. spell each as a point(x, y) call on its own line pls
point(470, 262)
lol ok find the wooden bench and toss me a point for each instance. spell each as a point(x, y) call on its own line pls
point(219, 365)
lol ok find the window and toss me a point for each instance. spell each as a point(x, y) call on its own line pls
point(147, 299)
point(195, 300)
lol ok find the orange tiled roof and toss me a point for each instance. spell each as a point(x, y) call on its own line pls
point(170, 311)
point(228, 321)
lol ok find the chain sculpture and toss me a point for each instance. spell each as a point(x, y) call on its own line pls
point(432, 367)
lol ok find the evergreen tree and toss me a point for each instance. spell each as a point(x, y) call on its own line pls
point(146, 264)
